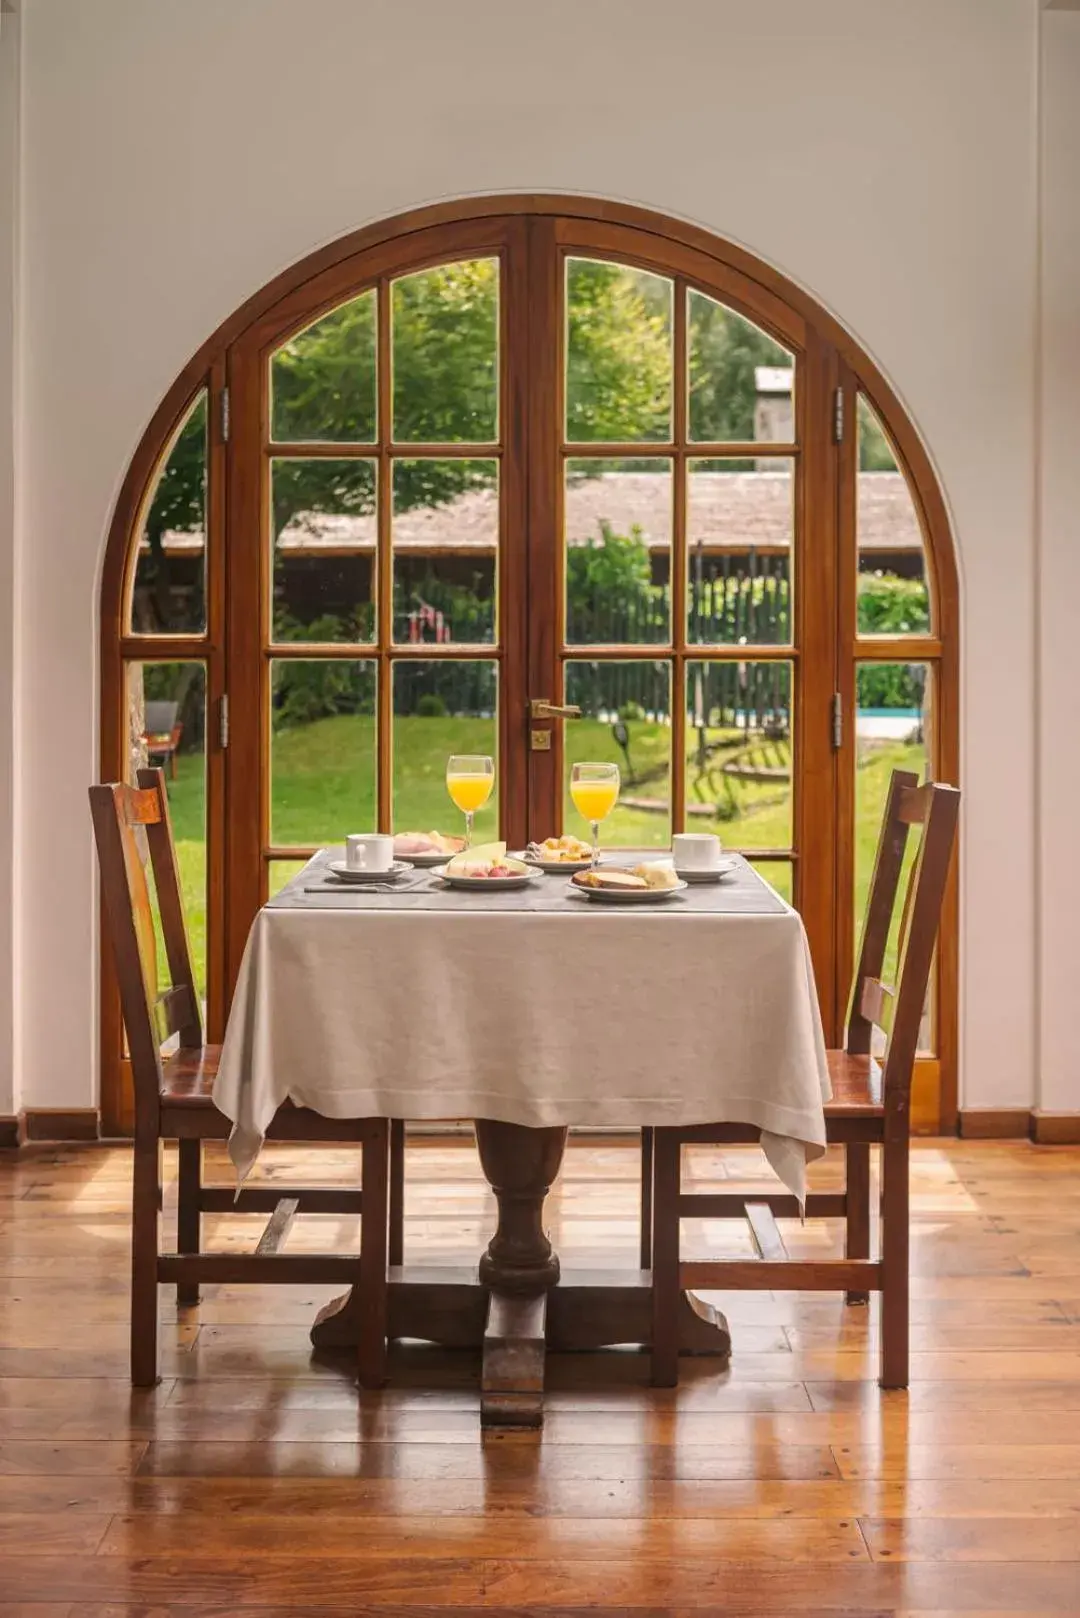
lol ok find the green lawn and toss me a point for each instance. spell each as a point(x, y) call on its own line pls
point(323, 787)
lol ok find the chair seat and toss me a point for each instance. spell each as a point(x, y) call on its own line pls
point(188, 1077)
point(856, 1085)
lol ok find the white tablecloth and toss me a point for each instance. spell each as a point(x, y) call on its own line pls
point(534, 1008)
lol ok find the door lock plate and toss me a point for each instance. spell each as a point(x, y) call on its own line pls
point(540, 741)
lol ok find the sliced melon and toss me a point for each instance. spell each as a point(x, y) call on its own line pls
point(477, 859)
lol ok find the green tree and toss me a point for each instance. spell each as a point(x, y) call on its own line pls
point(178, 505)
point(724, 350)
point(618, 354)
point(875, 454)
point(608, 575)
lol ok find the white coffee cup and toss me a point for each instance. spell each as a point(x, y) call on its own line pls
point(369, 851)
point(696, 851)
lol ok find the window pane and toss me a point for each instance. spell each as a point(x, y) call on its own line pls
point(618, 353)
point(323, 523)
point(740, 528)
point(442, 707)
point(893, 595)
point(626, 720)
point(742, 382)
point(618, 517)
point(168, 594)
point(446, 354)
point(739, 764)
point(322, 381)
point(779, 874)
point(167, 727)
point(322, 750)
point(446, 539)
point(892, 732)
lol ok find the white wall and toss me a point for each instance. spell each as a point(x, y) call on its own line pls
point(1059, 564)
point(178, 155)
point(10, 244)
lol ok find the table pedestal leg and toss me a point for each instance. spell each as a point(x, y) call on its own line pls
point(524, 1304)
point(519, 1268)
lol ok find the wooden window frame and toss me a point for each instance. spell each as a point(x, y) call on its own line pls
point(534, 233)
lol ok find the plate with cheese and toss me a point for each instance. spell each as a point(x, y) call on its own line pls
point(559, 856)
point(649, 883)
point(486, 868)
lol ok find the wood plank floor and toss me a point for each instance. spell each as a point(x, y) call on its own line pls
point(256, 1481)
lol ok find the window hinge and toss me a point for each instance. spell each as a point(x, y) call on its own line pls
point(838, 416)
point(226, 417)
point(223, 721)
point(837, 721)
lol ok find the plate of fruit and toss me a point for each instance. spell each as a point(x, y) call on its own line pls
point(426, 848)
point(485, 869)
point(649, 883)
point(559, 856)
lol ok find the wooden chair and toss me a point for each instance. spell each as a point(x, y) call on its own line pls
point(162, 733)
point(870, 1106)
point(173, 1102)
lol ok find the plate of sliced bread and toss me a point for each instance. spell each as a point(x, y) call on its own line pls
point(648, 883)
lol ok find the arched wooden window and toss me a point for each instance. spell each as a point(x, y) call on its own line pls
point(521, 449)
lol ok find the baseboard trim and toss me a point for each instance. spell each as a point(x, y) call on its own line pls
point(995, 1123)
point(60, 1124)
point(37, 1124)
point(1056, 1128)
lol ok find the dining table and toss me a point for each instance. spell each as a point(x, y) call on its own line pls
point(529, 1011)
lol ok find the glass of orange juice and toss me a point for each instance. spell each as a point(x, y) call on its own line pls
point(469, 780)
point(594, 789)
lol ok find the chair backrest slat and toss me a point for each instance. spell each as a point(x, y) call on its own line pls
point(174, 1011)
point(888, 863)
point(171, 906)
point(123, 816)
point(913, 804)
point(922, 906)
point(898, 1011)
point(141, 807)
point(876, 1002)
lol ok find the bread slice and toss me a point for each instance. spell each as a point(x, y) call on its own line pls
point(610, 879)
point(655, 875)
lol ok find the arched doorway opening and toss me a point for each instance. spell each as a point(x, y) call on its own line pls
point(532, 449)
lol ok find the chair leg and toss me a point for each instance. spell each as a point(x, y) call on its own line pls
point(374, 1235)
point(895, 1259)
point(666, 1155)
point(146, 1191)
point(188, 1216)
point(397, 1191)
point(646, 1197)
point(857, 1244)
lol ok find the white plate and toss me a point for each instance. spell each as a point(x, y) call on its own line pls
point(714, 874)
point(425, 862)
point(496, 884)
point(555, 867)
point(628, 896)
point(349, 873)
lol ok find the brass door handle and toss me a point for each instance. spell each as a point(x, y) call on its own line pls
point(541, 708)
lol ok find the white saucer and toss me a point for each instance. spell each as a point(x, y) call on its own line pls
point(349, 873)
point(716, 873)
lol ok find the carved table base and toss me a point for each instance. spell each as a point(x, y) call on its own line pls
point(517, 1305)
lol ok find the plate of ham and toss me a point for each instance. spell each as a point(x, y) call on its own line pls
point(426, 848)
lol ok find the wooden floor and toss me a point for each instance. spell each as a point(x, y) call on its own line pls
point(253, 1480)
